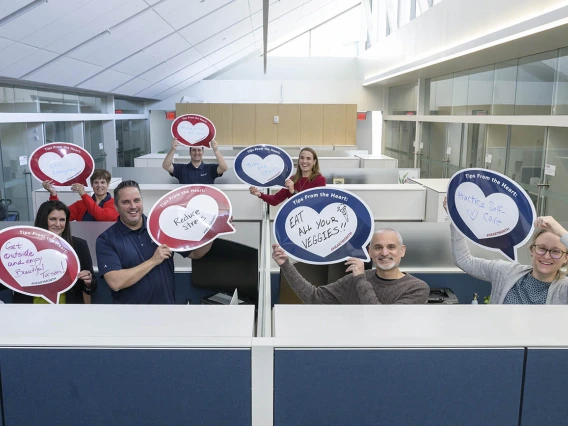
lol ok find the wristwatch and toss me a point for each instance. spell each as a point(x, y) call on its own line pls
point(87, 290)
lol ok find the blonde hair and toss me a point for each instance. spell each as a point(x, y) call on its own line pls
point(563, 271)
point(314, 173)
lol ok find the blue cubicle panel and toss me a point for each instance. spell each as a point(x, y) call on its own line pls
point(546, 388)
point(369, 387)
point(126, 387)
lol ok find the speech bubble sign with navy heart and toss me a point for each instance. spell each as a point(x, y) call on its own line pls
point(190, 217)
point(37, 262)
point(491, 210)
point(263, 166)
point(324, 225)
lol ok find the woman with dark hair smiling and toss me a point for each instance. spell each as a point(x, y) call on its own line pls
point(307, 176)
point(54, 216)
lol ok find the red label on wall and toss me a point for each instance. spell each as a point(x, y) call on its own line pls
point(361, 116)
point(170, 115)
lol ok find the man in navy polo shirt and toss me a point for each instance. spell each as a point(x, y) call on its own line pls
point(135, 268)
point(197, 171)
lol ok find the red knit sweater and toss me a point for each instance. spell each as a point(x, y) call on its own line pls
point(106, 213)
point(302, 184)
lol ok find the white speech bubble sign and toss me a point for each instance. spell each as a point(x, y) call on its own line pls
point(30, 267)
point(264, 169)
point(191, 222)
point(487, 217)
point(321, 233)
point(61, 169)
point(193, 133)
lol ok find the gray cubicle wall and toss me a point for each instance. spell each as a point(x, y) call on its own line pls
point(155, 175)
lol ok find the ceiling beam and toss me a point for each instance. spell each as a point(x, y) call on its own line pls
point(265, 5)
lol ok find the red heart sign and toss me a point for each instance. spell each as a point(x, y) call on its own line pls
point(37, 262)
point(193, 130)
point(190, 217)
point(63, 163)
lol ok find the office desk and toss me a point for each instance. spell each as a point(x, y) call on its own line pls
point(419, 365)
point(126, 365)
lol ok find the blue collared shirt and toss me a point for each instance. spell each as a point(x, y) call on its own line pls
point(187, 174)
point(120, 247)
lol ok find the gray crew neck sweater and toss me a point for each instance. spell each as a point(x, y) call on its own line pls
point(364, 289)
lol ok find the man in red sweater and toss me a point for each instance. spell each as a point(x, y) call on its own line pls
point(99, 207)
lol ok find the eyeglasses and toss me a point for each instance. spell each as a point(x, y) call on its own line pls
point(542, 250)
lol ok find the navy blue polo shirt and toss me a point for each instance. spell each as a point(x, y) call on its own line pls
point(187, 174)
point(120, 247)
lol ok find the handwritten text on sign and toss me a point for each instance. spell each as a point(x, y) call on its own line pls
point(30, 267)
point(263, 169)
point(486, 217)
point(61, 169)
point(491, 210)
point(321, 233)
point(191, 222)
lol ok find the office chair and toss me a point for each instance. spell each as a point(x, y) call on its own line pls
point(228, 266)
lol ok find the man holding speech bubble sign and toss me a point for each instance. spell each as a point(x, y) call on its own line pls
point(384, 285)
point(133, 265)
point(196, 172)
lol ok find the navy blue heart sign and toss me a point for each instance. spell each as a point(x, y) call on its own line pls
point(323, 226)
point(263, 166)
point(491, 210)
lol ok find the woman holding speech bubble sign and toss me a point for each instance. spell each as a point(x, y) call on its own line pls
point(307, 176)
point(54, 216)
point(542, 282)
point(99, 207)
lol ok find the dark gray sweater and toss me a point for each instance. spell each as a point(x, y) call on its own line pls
point(364, 289)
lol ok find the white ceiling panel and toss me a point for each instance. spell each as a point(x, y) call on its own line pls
point(71, 22)
point(172, 65)
point(225, 37)
point(9, 7)
point(231, 49)
point(255, 6)
point(152, 2)
point(186, 73)
point(15, 53)
point(215, 22)
point(4, 43)
point(132, 87)
point(123, 40)
point(180, 13)
point(189, 82)
point(106, 81)
point(277, 10)
point(97, 25)
point(28, 64)
point(313, 6)
point(153, 55)
point(38, 17)
point(64, 72)
point(152, 91)
point(237, 56)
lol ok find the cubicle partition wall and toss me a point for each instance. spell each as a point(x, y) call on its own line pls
point(126, 365)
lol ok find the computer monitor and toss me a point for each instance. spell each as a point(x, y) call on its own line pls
point(227, 266)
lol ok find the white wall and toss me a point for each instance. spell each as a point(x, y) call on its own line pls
point(288, 80)
point(160, 131)
point(455, 26)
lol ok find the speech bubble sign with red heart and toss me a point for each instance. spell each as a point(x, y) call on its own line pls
point(193, 130)
point(63, 163)
point(190, 217)
point(37, 262)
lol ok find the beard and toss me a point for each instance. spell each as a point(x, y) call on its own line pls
point(387, 267)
